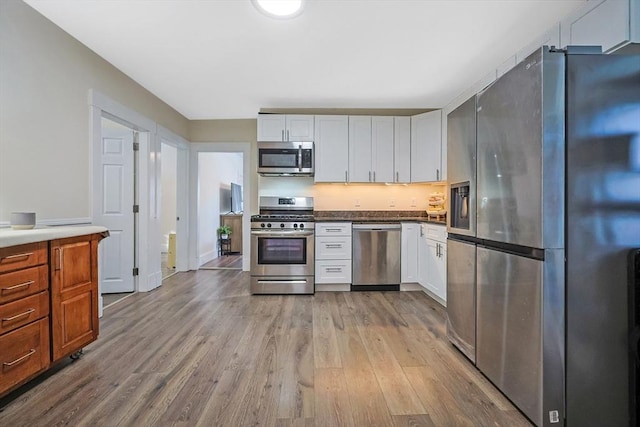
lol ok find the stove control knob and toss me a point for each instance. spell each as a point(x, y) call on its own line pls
point(269, 225)
point(262, 225)
point(301, 225)
point(281, 225)
point(295, 225)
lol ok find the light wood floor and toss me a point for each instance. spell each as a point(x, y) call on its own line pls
point(225, 261)
point(201, 351)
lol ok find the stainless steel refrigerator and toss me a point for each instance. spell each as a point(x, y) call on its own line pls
point(558, 160)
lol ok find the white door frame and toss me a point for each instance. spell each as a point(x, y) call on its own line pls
point(219, 147)
point(182, 196)
point(102, 105)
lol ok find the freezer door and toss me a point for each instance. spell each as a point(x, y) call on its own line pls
point(461, 296)
point(509, 339)
point(520, 164)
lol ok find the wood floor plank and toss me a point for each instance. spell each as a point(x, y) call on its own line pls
point(333, 407)
point(200, 350)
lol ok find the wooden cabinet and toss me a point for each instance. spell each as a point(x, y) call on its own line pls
point(331, 149)
point(289, 127)
point(235, 223)
point(333, 254)
point(48, 304)
point(426, 147)
point(74, 294)
point(24, 311)
point(409, 252)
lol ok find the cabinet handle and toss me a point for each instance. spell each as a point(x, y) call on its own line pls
point(346, 176)
point(374, 176)
point(282, 134)
point(437, 174)
point(287, 134)
point(19, 359)
point(21, 285)
point(13, 258)
point(397, 176)
point(369, 176)
point(58, 265)
point(334, 245)
point(333, 230)
point(17, 316)
point(334, 269)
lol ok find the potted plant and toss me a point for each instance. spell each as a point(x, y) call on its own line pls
point(224, 231)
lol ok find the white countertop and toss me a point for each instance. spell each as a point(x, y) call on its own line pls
point(11, 237)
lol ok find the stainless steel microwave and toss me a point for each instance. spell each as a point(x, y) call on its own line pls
point(285, 158)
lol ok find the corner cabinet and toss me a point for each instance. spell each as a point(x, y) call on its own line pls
point(331, 149)
point(426, 147)
point(289, 127)
point(48, 304)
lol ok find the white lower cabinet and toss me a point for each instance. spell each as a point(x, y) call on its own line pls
point(432, 256)
point(409, 252)
point(333, 255)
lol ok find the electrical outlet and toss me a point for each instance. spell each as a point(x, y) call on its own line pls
point(392, 203)
point(357, 204)
point(413, 202)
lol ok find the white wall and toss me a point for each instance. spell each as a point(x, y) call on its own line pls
point(214, 170)
point(169, 162)
point(45, 78)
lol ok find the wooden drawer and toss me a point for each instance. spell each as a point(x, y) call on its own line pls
point(22, 256)
point(435, 232)
point(333, 247)
point(334, 271)
point(25, 352)
point(20, 312)
point(333, 229)
point(22, 283)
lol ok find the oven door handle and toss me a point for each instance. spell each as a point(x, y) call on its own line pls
point(282, 233)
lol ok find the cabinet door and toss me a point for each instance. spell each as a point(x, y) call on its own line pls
point(607, 25)
point(299, 127)
point(431, 282)
point(271, 127)
point(382, 149)
point(360, 149)
point(426, 147)
point(331, 148)
point(74, 294)
point(423, 254)
point(402, 149)
point(409, 253)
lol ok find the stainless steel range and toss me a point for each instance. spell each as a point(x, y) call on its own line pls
point(282, 246)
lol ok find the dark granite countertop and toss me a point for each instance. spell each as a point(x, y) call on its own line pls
point(377, 217)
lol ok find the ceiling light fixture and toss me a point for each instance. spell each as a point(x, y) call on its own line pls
point(280, 9)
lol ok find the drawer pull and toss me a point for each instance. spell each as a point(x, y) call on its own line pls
point(17, 257)
point(18, 286)
point(19, 359)
point(334, 269)
point(333, 230)
point(334, 245)
point(17, 316)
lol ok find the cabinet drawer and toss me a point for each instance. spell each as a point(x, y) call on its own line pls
point(22, 256)
point(435, 232)
point(334, 271)
point(333, 229)
point(20, 312)
point(333, 247)
point(22, 283)
point(25, 352)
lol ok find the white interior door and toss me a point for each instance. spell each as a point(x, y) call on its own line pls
point(115, 207)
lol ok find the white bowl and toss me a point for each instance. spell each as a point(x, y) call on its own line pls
point(23, 220)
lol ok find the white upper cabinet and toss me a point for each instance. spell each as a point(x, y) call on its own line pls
point(360, 151)
point(331, 148)
point(289, 127)
point(382, 135)
point(426, 147)
point(610, 24)
point(402, 149)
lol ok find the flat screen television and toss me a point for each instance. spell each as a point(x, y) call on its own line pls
point(236, 198)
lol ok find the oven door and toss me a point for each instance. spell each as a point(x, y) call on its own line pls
point(282, 253)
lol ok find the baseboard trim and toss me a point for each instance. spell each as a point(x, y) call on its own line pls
point(332, 287)
point(206, 257)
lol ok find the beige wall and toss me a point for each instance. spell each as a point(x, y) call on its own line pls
point(45, 78)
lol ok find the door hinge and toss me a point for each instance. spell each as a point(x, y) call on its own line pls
point(136, 141)
point(135, 271)
point(136, 146)
point(136, 208)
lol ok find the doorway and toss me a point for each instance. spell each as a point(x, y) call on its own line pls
point(168, 208)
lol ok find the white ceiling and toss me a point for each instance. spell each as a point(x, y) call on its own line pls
point(212, 59)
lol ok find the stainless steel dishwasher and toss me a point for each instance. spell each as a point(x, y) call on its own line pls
point(376, 257)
